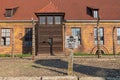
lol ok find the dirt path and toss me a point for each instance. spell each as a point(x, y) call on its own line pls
point(104, 67)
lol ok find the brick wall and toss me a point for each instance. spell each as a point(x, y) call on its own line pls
point(18, 30)
point(87, 36)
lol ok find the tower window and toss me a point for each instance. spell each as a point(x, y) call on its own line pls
point(57, 20)
point(42, 19)
point(49, 20)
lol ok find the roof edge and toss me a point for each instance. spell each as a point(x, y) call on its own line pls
point(116, 21)
point(2, 21)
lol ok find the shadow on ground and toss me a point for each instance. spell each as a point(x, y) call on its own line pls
point(87, 70)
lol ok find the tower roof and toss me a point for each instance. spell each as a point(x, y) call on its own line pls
point(49, 8)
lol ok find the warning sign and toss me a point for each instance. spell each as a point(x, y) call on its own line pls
point(71, 42)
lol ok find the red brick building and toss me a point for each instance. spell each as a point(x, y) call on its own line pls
point(56, 19)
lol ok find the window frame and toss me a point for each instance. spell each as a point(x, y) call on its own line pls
point(51, 21)
point(5, 37)
point(43, 22)
point(78, 34)
point(28, 38)
point(53, 18)
point(95, 13)
point(118, 35)
point(101, 36)
point(60, 20)
point(9, 13)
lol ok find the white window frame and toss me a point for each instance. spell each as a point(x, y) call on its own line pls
point(42, 19)
point(118, 35)
point(95, 13)
point(5, 37)
point(57, 19)
point(101, 35)
point(76, 32)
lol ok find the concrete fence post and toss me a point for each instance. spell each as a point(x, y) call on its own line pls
point(70, 63)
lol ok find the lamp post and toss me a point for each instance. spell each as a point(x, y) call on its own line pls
point(98, 38)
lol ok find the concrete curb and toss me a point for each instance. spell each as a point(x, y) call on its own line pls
point(20, 78)
point(59, 78)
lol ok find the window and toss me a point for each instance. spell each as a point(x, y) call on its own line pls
point(42, 20)
point(57, 20)
point(5, 37)
point(95, 13)
point(28, 37)
point(101, 35)
point(9, 13)
point(118, 35)
point(76, 32)
point(49, 20)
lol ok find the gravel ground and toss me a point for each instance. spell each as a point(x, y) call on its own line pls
point(83, 66)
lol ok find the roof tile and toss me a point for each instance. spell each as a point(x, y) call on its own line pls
point(74, 9)
point(49, 8)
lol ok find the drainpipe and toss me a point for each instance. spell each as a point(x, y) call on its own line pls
point(113, 37)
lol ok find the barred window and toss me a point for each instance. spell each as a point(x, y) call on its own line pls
point(5, 37)
point(101, 35)
point(77, 32)
point(118, 35)
point(28, 37)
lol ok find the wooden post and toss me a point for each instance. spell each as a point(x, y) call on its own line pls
point(33, 39)
point(98, 36)
point(12, 51)
point(70, 63)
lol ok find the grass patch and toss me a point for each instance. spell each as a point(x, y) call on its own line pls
point(23, 55)
point(110, 54)
point(5, 55)
point(83, 54)
point(16, 55)
point(86, 54)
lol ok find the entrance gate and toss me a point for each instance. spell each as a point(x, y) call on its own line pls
point(44, 33)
